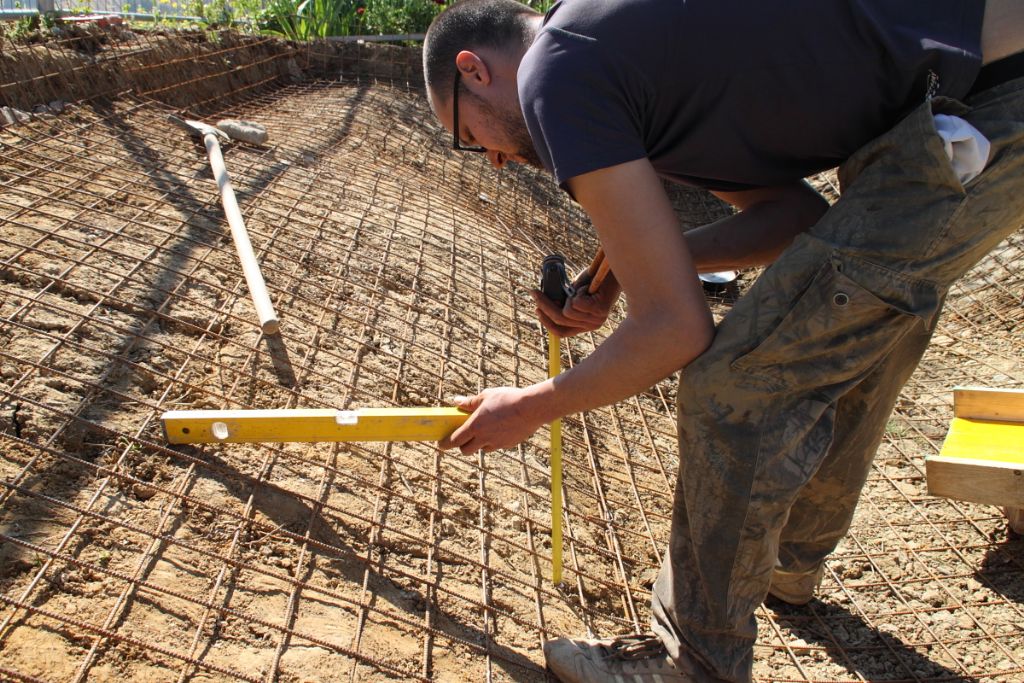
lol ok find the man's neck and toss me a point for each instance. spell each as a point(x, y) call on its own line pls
point(1002, 31)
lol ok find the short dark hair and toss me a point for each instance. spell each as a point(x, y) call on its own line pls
point(470, 24)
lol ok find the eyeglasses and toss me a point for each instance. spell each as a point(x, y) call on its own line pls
point(456, 142)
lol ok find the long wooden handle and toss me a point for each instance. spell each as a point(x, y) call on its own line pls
point(250, 266)
point(599, 276)
point(595, 273)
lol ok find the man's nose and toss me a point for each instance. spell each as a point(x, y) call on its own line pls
point(497, 159)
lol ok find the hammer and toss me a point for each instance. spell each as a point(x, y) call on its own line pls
point(212, 138)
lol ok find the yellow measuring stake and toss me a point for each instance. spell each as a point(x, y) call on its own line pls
point(310, 425)
point(555, 367)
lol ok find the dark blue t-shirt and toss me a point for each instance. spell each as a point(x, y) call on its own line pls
point(733, 94)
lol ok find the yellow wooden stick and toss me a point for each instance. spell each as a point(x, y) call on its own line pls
point(311, 425)
point(555, 367)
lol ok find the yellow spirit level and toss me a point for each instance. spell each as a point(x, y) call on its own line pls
point(310, 425)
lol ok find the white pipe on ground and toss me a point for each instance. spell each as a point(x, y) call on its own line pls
point(250, 266)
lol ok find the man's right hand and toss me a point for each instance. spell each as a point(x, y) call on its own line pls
point(582, 312)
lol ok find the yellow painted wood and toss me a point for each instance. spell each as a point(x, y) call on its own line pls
point(554, 368)
point(310, 425)
point(983, 440)
point(981, 461)
point(989, 404)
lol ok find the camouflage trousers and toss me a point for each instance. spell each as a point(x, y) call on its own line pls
point(780, 418)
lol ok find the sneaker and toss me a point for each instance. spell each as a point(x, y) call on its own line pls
point(796, 588)
point(636, 658)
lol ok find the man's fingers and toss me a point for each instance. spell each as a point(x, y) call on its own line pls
point(464, 441)
point(587, 306)
point(565, 320)
point(460, 436)
point(545, 305)
point(560, 331)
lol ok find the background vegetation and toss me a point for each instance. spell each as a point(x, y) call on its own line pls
point(292, 19)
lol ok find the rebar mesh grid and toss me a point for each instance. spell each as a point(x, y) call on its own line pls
point(400, 274)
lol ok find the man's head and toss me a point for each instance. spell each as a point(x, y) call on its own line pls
point(470, 58)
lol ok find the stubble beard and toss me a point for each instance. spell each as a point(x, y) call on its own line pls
point(514, 128)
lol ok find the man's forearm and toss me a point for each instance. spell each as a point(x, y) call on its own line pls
point(759, 232)
point(632, 359)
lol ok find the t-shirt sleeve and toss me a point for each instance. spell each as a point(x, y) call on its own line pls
point(582, 112)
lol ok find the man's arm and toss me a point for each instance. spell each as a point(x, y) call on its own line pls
point(668, 322)
point(768, 220)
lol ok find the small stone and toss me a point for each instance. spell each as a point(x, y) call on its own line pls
point(647, 576)
point(143, 492)
point(800, 647)
point(246, 131)
point(516, 510)
point(932, 597)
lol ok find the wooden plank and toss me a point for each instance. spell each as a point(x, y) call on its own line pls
point(989, 404)
point(981, 462)
point(992, 483)
point(310, 425)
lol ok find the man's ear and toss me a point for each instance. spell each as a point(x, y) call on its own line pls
point(473, 68)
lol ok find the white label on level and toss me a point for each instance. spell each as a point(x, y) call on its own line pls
point(347, 417)
point(220, 430)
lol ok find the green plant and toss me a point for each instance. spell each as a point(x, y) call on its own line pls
point(218, 13)
point(250, 13)
point(23, 27)
point(195, 8)
point(313, 19)
point(50, 19)
point(384, 17)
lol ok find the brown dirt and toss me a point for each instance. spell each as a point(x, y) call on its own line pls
point(400, 274)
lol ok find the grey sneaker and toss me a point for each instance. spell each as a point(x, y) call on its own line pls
point(796, 588)
point(638, 659)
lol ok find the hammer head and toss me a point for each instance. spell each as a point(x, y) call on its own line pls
point(553, 280)
point(199, 128)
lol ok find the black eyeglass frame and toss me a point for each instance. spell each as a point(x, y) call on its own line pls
point(456, 142)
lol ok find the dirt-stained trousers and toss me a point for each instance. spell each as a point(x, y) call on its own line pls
point(780, 418)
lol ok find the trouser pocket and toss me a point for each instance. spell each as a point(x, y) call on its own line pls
point(850, 315)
